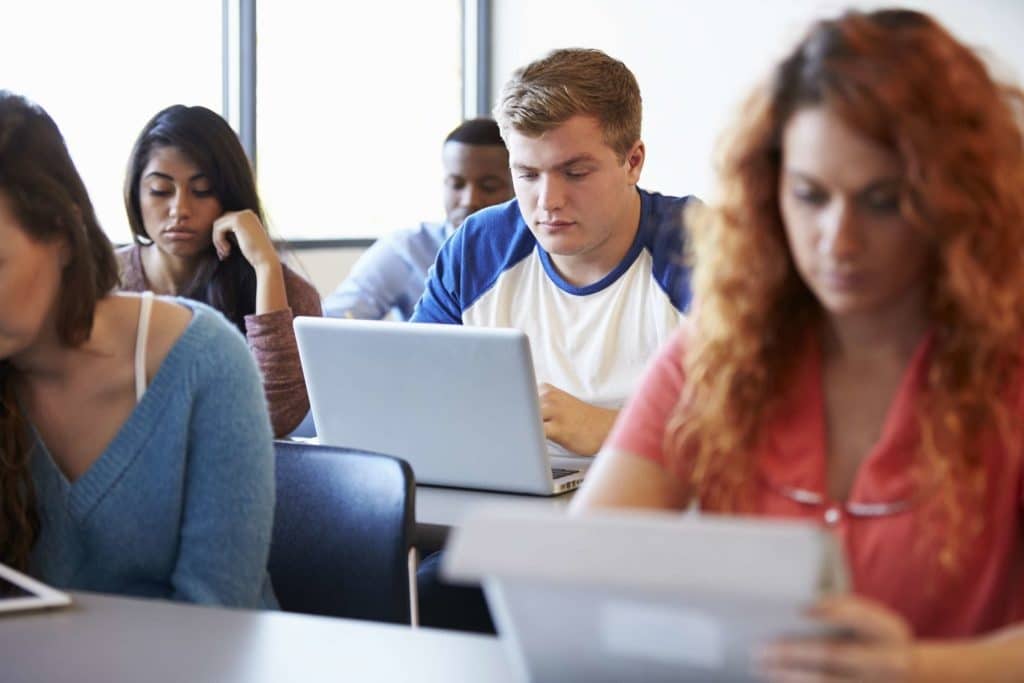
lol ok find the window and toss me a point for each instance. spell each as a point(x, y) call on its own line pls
point(102, 84)
point(353, 104)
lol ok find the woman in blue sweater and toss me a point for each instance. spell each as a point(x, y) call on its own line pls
point(136, 454)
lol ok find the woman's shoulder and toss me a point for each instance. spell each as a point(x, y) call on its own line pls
point(166, 325)
point(682, 337)
point(185, 332)
point(168, 322)
point(130, 268)
point(126, 255)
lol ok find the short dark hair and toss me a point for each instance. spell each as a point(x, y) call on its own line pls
point(211, 144)
point(481, 131)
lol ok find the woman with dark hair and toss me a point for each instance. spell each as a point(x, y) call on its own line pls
point(135, 448)
point(199, 233)
point(855, 355)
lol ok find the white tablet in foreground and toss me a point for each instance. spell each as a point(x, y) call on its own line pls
point(19, 592)
point(631, 596)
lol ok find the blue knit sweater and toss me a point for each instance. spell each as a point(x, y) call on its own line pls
point(181, 503)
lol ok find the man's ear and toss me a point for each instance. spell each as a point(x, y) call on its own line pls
point(635, 161)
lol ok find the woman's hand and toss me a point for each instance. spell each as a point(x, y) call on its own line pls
point(879, 647)
point(253, 240)
point(258, 249)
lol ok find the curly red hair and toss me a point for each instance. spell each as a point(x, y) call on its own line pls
point(902, 80)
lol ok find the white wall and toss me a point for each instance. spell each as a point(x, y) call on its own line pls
point(325, 268)
point(695, 61)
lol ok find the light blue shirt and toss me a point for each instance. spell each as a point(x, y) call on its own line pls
point(390, 275)
point(180, 505)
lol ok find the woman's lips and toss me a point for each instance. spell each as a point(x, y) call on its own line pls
point(179, 234)
point(844, 280)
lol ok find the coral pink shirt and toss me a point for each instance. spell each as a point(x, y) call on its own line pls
point(890, 557)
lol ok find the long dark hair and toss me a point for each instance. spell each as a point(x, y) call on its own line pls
point(50, 202)
point(209, 142)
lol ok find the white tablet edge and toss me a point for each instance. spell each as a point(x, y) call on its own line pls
point(43, 596)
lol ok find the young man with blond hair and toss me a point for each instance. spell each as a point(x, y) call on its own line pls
point(584, 262)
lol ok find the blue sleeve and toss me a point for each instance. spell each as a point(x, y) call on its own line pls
point(667, 243)
point(376, 284)
point(229, 482)
point(489, 242)
point(440, 301)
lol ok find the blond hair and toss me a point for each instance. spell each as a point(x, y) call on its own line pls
point(571, 82)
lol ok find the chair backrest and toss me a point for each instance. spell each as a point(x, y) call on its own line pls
point(343, 529)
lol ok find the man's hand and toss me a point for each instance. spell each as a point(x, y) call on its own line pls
point(573, 424)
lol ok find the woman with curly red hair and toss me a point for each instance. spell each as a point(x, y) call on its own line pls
point(856, 352)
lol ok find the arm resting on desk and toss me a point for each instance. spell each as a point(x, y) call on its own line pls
point(623, 480)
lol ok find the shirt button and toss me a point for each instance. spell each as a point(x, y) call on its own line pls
point(832, 516)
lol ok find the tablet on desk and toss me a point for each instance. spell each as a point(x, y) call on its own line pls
point(19, 592)
point(632, 595)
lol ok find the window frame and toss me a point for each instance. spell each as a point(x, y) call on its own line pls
point(239, 83)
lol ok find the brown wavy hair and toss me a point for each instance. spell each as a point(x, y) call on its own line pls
point(50, 202)
point(902, 80)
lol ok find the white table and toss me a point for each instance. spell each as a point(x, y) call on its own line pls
point(448, 507)
point(105, 639)
point(440, 508)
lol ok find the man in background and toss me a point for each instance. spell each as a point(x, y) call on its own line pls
point(391, 274)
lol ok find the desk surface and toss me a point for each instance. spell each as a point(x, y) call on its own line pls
point(442, 507)
point(105, 638)
point(447, 507)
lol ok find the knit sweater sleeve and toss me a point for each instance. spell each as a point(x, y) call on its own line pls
point(228, 502)
point(272, 340)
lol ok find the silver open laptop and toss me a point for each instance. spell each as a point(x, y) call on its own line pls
point(643, 596)
point(459, 404)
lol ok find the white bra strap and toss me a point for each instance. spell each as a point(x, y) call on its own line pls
point(141, 339)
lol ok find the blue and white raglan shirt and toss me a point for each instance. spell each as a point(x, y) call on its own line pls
point(593, 341)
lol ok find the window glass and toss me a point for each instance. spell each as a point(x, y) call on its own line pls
point(353, 103)
point(103, 68)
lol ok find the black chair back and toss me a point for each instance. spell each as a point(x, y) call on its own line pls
point(343, 529)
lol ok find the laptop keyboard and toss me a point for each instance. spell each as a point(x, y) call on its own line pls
point(558, 472)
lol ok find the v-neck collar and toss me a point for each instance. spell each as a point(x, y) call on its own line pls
point(794, 454)
point(84, 493)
